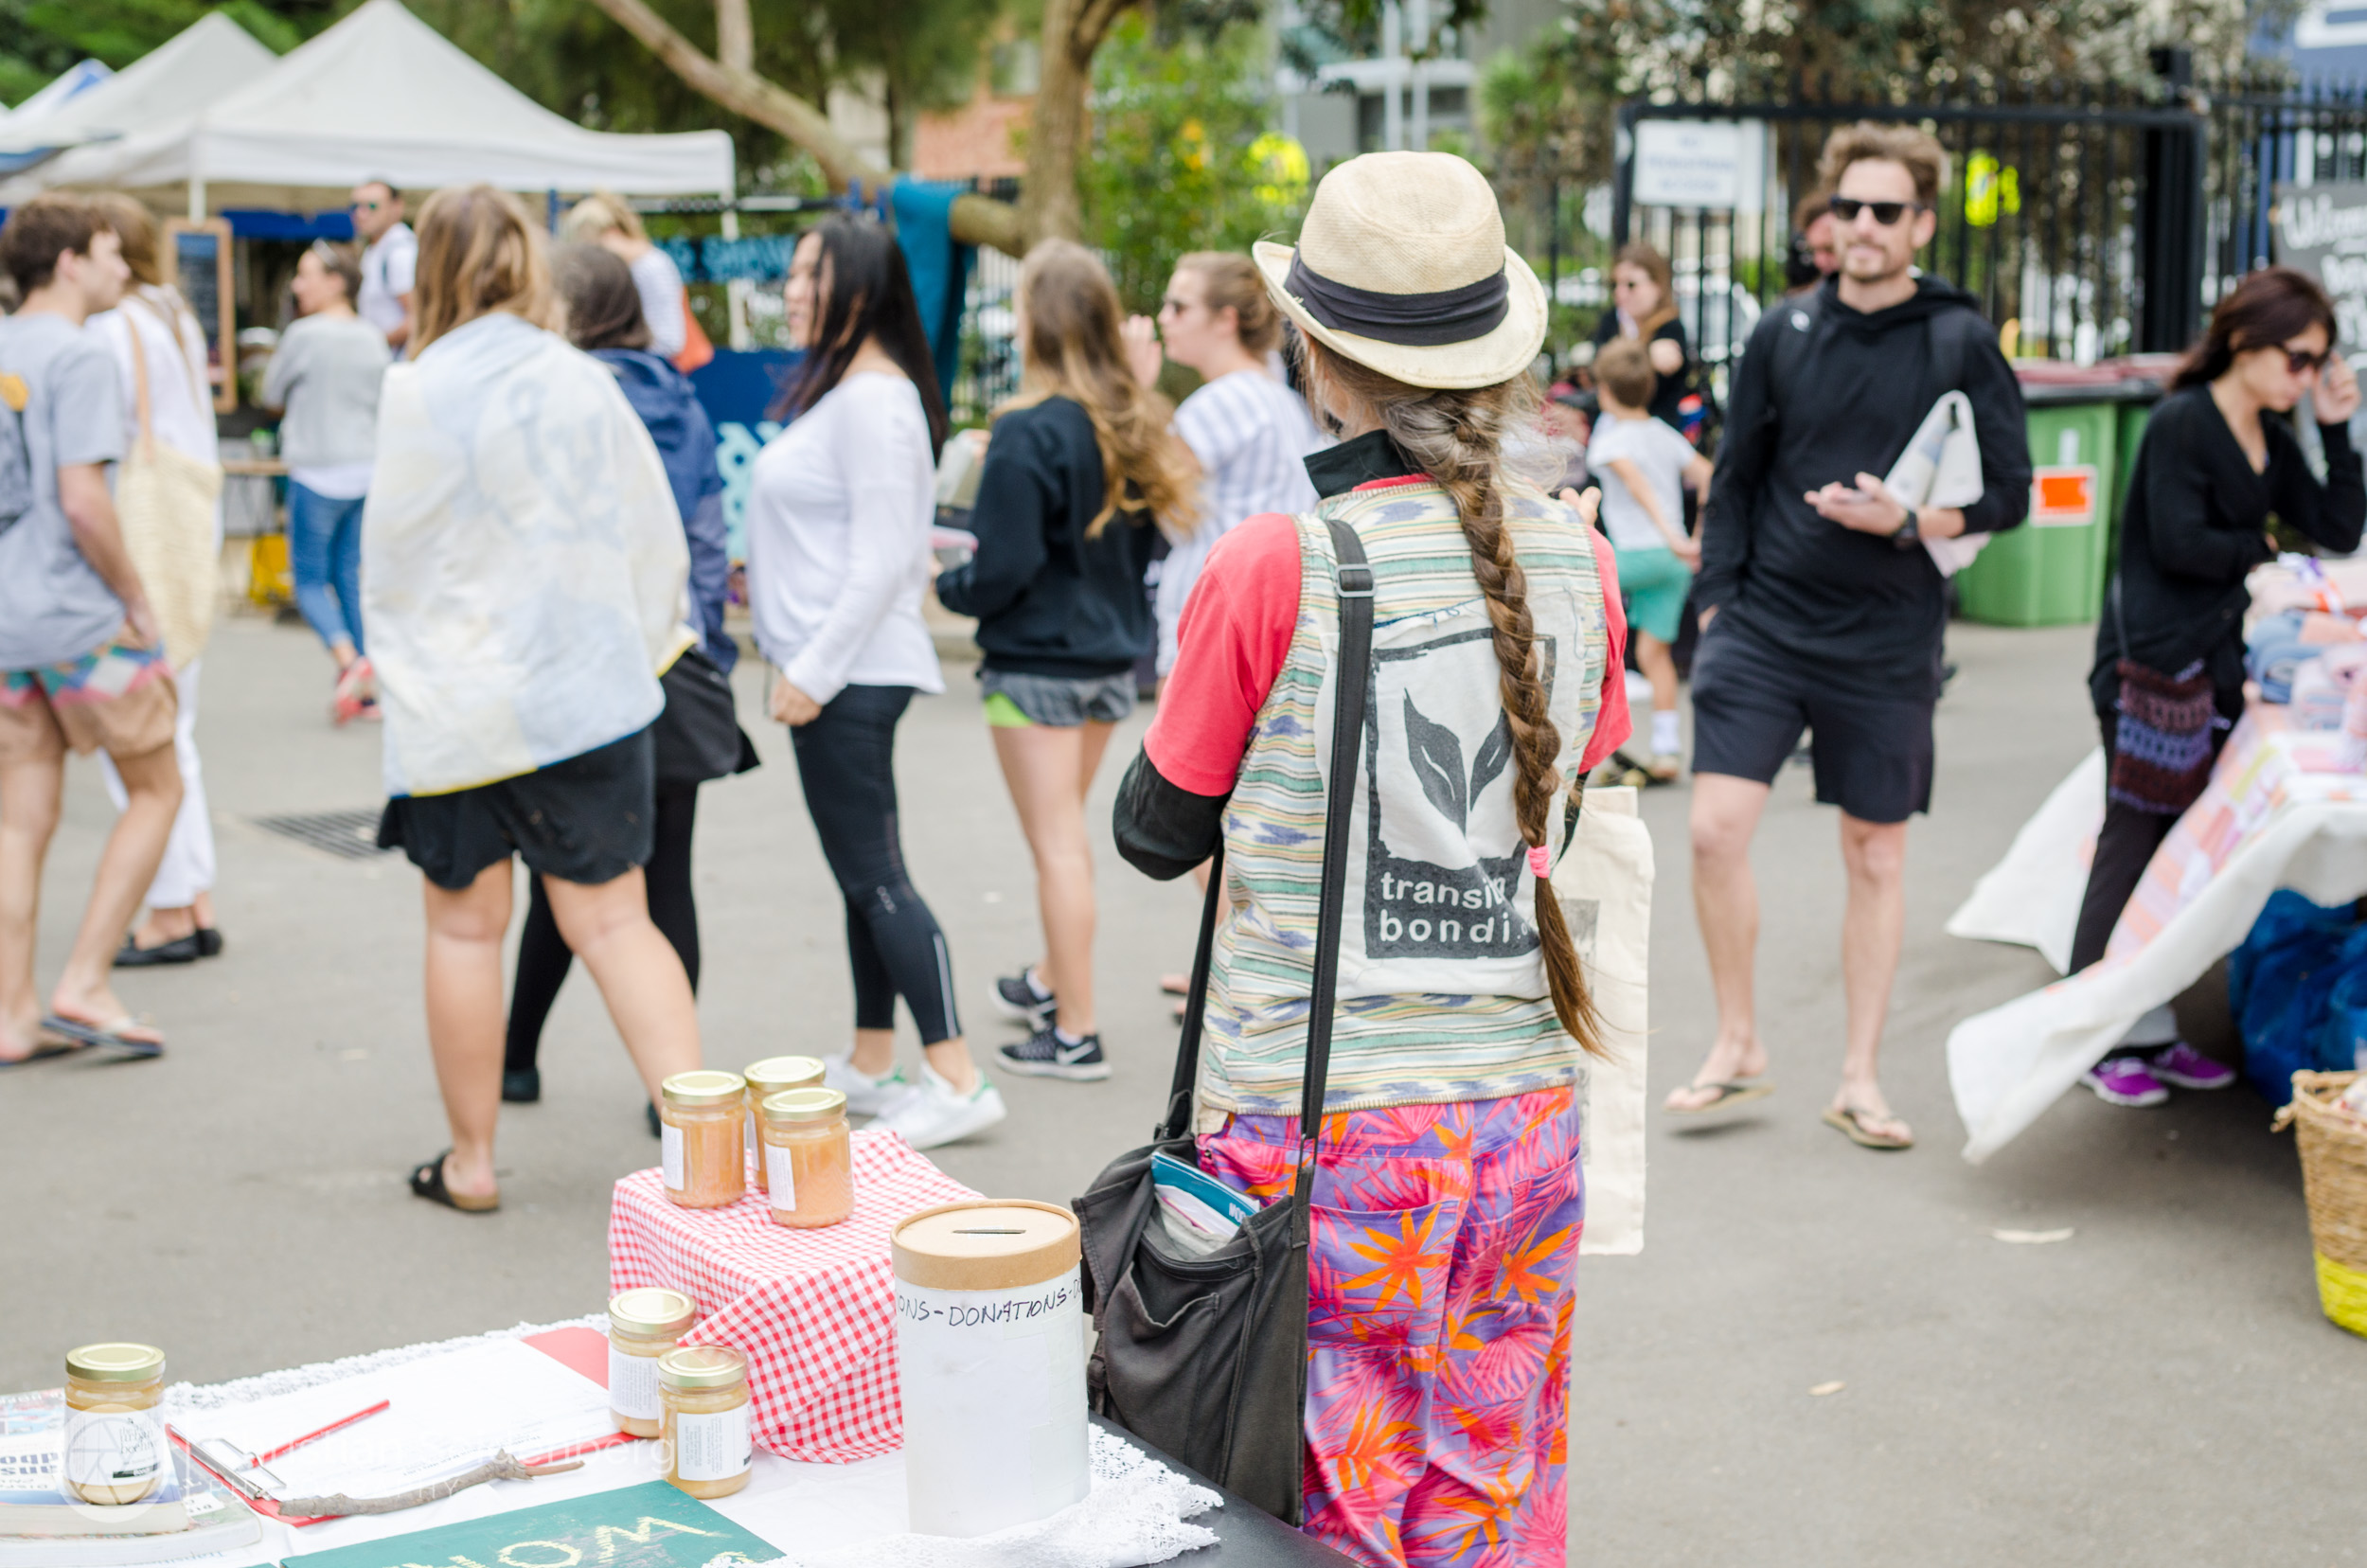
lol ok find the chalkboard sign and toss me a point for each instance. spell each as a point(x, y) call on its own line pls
point(198, 251)
point(2322, 229)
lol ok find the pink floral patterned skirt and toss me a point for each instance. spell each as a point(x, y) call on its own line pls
point(1438, 1323)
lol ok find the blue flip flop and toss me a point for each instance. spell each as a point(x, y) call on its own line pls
point(112, 1036)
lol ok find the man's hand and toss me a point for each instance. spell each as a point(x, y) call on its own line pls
point(1143, 353)
point(1866, 509)
point(2338, 391)
point(791, 706)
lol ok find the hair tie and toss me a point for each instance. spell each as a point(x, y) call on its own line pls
point(1540, 865)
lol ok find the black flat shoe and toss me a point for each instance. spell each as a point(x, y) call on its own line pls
point(523, 1087)
point(208, 942)
point(427, 1181)
point(181, 949)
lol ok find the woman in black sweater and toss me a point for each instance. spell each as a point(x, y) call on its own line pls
point(1643, 306)
point(1081, 466)
point(2169, 671)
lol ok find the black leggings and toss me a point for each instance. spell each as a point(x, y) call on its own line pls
point(846, 760)
point(2125, 847)
point(544, 956)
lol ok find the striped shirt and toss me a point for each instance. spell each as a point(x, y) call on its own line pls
point(1252, 435)
point(1442, 989)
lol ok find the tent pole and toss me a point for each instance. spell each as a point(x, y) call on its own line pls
point(197, 198)
point(735, 291)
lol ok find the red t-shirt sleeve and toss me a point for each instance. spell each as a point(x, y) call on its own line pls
point(1230, 645)
point(1611, 723)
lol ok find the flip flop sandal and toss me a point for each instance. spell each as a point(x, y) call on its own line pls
point(427, 1181)
point(112, 1035)
point(1852, 1124)
point(1732, 1092)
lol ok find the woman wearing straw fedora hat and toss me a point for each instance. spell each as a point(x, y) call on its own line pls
point(1447, 1197)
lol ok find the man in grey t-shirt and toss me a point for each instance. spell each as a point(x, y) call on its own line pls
point(82, 663)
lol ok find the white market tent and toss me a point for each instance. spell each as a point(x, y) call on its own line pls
point(77, 78)
point(381, 95)
point(203, 62)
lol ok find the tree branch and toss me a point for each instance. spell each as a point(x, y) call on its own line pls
point(974, 220)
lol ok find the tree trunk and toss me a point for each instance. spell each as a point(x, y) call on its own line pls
point(974, 220)
point(1073, 31)
point(735, 36)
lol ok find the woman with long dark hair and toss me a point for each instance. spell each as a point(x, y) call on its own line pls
point(838, 512)
point(1083, 470)
point(1644, 308)
point(2168, 680)
point(1447, 1197)
point(695, 738)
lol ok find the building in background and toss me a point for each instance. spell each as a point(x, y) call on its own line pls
point(1415, 86)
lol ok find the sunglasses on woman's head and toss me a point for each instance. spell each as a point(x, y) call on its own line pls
point(1885, 213)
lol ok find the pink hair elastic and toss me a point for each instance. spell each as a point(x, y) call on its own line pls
point(1540, 864)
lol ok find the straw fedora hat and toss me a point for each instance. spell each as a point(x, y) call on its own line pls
point(1401, 265)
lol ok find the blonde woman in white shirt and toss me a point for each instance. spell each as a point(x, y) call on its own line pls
point(837, 560)
point(155, 324)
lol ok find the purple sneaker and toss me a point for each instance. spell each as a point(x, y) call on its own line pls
point(2125, 1081)
point(2188, 1068)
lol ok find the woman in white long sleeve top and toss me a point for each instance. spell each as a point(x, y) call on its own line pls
point(838, 553)
point(154, 323)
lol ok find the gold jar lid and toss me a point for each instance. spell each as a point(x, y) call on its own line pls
point(775, 1073)
point(115, 1362)
point(701, 1366)
point(651, 1310)
point(705, 1087)
point(805, 1105)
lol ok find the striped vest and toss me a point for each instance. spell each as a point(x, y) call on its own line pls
point(1442, 988)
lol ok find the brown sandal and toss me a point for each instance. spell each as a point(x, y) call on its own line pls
point(1852, 1121)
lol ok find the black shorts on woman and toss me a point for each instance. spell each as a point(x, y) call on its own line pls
point(588, 819)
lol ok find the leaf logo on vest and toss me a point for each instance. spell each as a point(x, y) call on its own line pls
point(1440, 800)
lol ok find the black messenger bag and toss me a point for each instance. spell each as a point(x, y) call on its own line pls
point(1205, 1357)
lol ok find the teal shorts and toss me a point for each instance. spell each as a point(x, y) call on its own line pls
point(1655, 583)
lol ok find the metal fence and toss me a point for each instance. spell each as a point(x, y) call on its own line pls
point(2067, 212)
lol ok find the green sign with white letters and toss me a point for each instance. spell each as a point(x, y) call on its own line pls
point(651, 1525)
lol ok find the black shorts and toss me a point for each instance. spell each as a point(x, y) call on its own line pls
point(1750, 701)
point(587, 820)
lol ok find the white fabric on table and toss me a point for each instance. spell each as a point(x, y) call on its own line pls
point(2032, 897)
point(2278, 812)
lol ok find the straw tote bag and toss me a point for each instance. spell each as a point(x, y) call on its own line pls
point(1206, 1357)
point(165, 503)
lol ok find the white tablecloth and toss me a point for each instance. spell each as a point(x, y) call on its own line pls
point(2279, 811)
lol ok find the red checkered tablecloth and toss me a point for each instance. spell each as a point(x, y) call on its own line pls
point(813, 1310)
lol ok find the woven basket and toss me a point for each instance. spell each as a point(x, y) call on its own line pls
point(2334, 1180)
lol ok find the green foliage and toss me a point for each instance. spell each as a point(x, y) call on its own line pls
point(40, 38)
point(1182, 157)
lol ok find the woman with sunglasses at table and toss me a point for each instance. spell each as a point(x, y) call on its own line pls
point(1643, 306)
point(2209, 473)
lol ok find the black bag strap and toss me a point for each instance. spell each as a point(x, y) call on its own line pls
point(1355, 580)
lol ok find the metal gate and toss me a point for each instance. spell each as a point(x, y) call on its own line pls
point(2075, 215)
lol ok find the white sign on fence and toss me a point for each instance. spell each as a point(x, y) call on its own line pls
point(1688, 164)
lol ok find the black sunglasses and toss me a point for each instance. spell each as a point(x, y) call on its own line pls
point(1885, 213)
point(2300, 361)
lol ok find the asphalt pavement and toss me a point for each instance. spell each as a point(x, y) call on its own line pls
point(1824, 1356)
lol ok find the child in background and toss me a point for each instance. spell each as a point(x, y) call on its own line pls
point(1643, 467)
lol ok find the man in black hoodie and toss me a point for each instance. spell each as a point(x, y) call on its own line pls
point(1822, 609)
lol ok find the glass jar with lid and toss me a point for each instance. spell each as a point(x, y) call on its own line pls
point(709, 1443)
point(768, 1078)
point(642, 1325)
point(702, 1122)
point(809, 1157)
point(115, 1448)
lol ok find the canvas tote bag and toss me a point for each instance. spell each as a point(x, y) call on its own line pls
point(164, 502)
point(1205, 1356)
point(1604, 880)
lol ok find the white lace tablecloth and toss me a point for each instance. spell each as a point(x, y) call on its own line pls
point(841, 1516)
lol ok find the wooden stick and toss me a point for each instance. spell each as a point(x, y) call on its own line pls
point(337, 1504)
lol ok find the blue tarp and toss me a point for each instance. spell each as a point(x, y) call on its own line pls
point(939, 268)
point(264, 223)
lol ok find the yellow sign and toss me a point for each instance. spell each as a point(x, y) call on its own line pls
point(1990, 188)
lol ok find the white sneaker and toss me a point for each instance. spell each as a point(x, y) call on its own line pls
point(932, 1114)
point(866, 1095)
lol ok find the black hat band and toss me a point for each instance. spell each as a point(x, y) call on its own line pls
point(1413, 320)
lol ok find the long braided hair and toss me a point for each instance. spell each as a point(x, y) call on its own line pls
point(1457, 438)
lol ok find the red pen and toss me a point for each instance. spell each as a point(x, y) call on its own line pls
point(291, 1447)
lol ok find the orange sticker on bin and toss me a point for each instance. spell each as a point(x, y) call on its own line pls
point(2062, 497)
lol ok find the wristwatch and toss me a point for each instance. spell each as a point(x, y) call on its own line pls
point(1910, 531)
